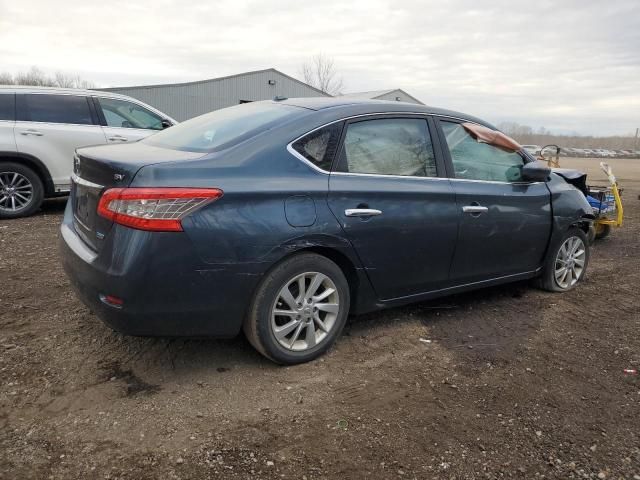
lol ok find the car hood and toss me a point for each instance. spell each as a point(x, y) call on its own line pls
point(575, 177)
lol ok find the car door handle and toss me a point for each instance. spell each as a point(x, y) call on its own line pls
point(35, 133)
point(362, 212)
point(118, 138)
point(475, 209)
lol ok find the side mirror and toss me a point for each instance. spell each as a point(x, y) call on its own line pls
point(166, 124)
point(535, 172)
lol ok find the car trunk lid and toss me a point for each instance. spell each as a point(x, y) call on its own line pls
point(97, 169)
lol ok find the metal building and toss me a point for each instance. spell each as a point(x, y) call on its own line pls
point(186, 100)
point(394, 95)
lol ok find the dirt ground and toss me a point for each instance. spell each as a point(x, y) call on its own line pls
point(507, 382)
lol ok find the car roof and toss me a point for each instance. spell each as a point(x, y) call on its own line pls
point(77, 91)
point(64, 91)
point(349, 105)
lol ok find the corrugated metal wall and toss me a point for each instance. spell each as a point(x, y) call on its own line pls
point(397, 93)
point(190, 100)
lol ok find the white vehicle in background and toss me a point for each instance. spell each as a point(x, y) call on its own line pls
point(40, 129)
point(532, 149)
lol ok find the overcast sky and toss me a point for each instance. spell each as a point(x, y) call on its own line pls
point(567, 65)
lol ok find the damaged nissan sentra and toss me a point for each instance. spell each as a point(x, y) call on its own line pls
point(281, 218)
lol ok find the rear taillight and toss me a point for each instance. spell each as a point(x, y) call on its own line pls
point(154, 209)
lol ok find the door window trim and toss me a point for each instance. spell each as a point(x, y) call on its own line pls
point(431, 126)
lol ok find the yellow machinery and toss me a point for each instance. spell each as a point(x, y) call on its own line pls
point(608, 211)
point(605, 200)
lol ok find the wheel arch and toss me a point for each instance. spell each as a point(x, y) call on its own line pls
point(362, 296)
point(35, 164)
point(584, 223)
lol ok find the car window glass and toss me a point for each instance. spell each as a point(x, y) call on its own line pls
point(123, 114)
point(320, 146)
point(480, 161)
point(7, 106)
point(225, 127)
point(47, 108)
point(397, 146)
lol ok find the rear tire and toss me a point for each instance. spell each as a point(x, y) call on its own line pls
point(21, 190)
point(299, 309)
point(566, 262)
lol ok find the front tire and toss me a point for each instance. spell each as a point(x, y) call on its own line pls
point(566, 263)
point(21, 190)
point(299, 309)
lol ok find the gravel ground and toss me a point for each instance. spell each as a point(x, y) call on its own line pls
point(507, 382)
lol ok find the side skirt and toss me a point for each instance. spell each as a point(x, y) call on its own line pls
point(395, 302)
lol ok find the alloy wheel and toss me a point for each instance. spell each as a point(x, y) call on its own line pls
point(570, 260)
point(305, 311)
point(16, 191)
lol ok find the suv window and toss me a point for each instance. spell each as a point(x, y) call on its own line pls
point(480, 161)
point(48, 108)
point(7, 106)
point(120, 113)
point(320, 146)
point(396, 146)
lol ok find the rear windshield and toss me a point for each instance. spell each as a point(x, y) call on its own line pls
point(223, 128)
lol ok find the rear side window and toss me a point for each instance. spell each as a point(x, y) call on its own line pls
point(7, 106)
point(57, 109)
point(474, 160)
point(320, 146)
point(223, 128)
point(120, 113)
point(397, 146)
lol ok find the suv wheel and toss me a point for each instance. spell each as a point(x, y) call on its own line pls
point(21, 190)
point(299, 309)
point(566, 263)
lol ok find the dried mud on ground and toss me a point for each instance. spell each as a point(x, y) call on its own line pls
point(507, 382)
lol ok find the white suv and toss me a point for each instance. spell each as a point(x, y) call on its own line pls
point(40, 128)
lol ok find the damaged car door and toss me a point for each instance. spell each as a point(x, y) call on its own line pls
point(506, 221)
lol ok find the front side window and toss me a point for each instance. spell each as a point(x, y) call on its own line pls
point(474, 160)
point(395, 146)
point(123, 114)
point(47, 108)
point(320, 146)
point(7, 106)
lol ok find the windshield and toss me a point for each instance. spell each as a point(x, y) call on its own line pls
point(223, 128)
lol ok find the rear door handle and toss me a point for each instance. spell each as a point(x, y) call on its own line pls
point(362, 212)
point(475, 209)
point(118, 138)
point(35, 133)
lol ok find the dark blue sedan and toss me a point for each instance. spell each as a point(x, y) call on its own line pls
point(283, 217)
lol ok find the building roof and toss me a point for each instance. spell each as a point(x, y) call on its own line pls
point(320, 92)
point(374, 94)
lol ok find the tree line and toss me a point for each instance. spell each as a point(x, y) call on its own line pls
point(526, 135)
point(37, 78)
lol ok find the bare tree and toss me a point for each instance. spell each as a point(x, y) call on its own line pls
point(6, 78)
point(71, 81)
point(320, 73)
point(37, 78)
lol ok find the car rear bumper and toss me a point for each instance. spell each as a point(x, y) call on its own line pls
point(165, 287)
